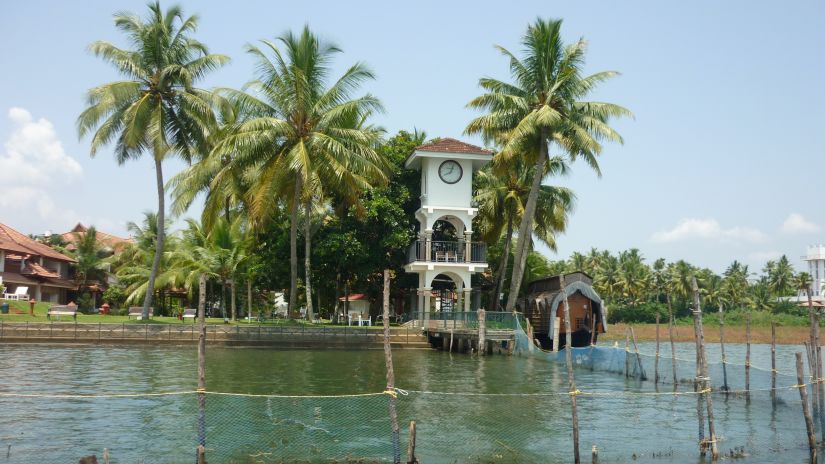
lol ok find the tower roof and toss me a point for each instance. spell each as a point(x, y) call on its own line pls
point(449, 145)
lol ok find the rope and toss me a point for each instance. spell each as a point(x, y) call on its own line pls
point(575, 393)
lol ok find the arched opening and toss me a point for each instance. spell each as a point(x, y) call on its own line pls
point(446, 291)
point(448, 240)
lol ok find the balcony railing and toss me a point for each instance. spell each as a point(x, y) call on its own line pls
point(447, 252)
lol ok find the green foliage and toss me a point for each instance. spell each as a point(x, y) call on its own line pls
point(85, 303)
point(115, 296)
point(643, 313)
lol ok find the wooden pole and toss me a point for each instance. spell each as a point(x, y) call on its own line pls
point(672, 344)
point(722, 346)
point(411, 459)
point(595, 453)
point(482, 332)
point(812, 360)
point(201, 368)
point(390, 390)
point(698, 386)
point(571, 380)
point(627, 352)
point(706, 388)
point(819, 384)
point(451, 341)
point(656, 363)
point(773, 363)
point(803, 395)
point(593, 328)
point(748, 357)
point(642, 375)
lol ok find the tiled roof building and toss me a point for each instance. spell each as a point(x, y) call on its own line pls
point(26, 262)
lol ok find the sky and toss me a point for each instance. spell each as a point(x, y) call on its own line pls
point(722, 160)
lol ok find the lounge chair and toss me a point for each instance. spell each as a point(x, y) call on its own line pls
point(62, 310)
point(137, 311)
point(190, 312)
point(20, 294)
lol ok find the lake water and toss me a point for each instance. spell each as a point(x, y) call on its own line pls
point(493, 409)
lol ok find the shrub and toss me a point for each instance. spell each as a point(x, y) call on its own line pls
point(85, 302)
point(645, 312)
point(115, 296)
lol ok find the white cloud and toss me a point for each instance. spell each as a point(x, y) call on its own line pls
point(34, 166)
point(708, 229)
point(797, 224)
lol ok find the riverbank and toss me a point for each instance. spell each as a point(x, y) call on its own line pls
point(288, 336)
point(785, 335)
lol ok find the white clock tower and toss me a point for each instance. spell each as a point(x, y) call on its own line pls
point(444, 255)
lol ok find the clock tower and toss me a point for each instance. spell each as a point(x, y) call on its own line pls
point(444, 256)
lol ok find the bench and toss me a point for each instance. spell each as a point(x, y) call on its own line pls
point(137, 311)
point(62, 310)
point(190, 312)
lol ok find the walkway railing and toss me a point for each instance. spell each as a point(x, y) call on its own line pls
point(467, 320)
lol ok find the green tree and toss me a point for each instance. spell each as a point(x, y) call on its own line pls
point(543, 107)
point(780, 276)
point(133, 266)
point(90, 258)
point(156, 108)
point(802, 282)
point(503, 197)
point(307, 139)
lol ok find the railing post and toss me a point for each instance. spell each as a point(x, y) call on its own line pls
point(428, 245)
point(482, 332)
point(98, 332)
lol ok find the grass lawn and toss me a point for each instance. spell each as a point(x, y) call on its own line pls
point(19, 312)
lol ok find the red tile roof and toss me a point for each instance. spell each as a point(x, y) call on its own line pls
point(108, 240)
point(12, 240)
point(40, 271)
point(354, 297)
point(448, 145)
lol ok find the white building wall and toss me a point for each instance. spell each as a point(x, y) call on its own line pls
point(439, 193)
point(816, 268)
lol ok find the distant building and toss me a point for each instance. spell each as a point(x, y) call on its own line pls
point(25, 262)
point(816, 267)
point(111, 243)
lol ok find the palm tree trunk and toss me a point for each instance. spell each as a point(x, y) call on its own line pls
point(150, 288)
point(307, 250)
point(502, 269)
point(232, 296)
point(526, 226)
point(223, 299)
point(293, 247)
point(249, 298)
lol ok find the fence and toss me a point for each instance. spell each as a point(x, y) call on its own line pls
point(452, 427)
point(467, 320)
point(188, 333)
point(625, 417)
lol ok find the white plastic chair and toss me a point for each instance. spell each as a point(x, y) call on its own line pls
point(20, 293)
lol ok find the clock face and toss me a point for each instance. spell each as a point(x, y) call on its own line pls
point(450, 172)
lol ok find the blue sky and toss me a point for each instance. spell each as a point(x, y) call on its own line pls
point(721, 162)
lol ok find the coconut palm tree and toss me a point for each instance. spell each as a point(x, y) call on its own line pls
point(156, 108)
point(634, 275)
point(503, 197)
point(133, 266)
point(735, 283)
point(543, 107)
point(780, 276)
point(306, 137)
point(223, 181)
point(802, 283)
